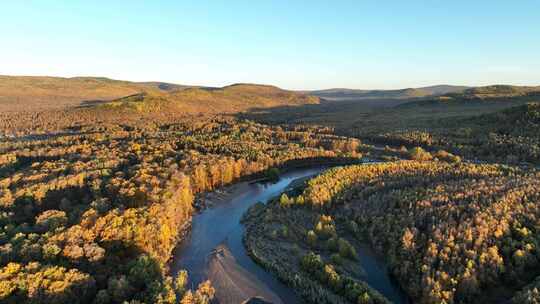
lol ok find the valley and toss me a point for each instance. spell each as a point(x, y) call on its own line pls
point(167, 193)
point(270, 152)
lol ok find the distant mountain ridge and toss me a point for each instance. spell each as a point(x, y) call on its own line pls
point(495, 91)
point(44, 92)
point(21, 93)
point(351, 94)
point(492, 93)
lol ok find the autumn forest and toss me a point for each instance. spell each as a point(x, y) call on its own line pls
point(100, 181)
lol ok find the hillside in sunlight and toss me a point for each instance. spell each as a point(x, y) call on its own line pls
point(35, 92)
point(494, 91)
point(58, 105)
point(229, 99)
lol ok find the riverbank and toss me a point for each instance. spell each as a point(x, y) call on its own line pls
point(224, 193)
point(258, 254)
point(220, 196)
point(284, 263)
point(219, 225)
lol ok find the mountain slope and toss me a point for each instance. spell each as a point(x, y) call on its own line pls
point(229, 99)
point(522, 120)
point(350, 94)
point(30, 93)
point(36, 92)
point(497, 91)
point(479, 95)
point(511, 134)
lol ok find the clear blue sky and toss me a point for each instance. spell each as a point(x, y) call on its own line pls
point(292, 44)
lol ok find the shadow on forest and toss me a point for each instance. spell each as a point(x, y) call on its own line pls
point(91, 103)
point(76, 199)
point(24, 162)
point(363, 117)
point(324, 112)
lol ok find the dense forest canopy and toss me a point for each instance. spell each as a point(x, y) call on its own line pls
point(493, 123)
point(510, 136)
point(451, 233)
point(93, 214)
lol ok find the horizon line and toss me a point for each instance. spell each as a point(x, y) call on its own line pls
point(266, 84)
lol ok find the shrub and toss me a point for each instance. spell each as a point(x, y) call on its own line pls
point(332, 244)
point(332, 278)
point(181, 281)
point(272, 174)
point(311, 238)
point(311, 262)
point(284, 200)
point(50, 220)
point(448, 157)
point(325, 227)
point(336, 259)
point(284, 231)
point(352, 227)
point(346, 250)
point(419, 154)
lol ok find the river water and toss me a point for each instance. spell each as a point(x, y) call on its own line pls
point(220, 225)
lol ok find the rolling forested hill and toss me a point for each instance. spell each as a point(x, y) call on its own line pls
point(495, 91)
point(33, 92)
point(229, 99)
point(510, 135)
point(351, 94)
point(44, 104)
point(19, 93)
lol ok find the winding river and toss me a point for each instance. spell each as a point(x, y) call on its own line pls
point(219, 227)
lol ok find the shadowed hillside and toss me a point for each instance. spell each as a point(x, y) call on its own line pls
point(494, 93)
point(521, 117)
point(495, 129)
point(510, 135)
point(350, 94)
